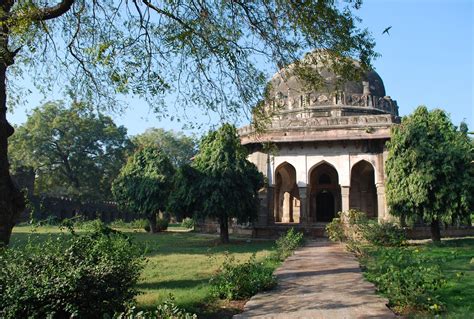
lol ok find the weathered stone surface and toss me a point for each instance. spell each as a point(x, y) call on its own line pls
point(320, 280)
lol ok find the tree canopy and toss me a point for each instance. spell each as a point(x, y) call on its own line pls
point(178, 147)
point(430, 175)
point(72, 151)
point(228, 183)
point(144, 183)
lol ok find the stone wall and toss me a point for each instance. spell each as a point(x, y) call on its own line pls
point(43, 207)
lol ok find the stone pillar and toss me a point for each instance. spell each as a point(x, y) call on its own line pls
point(345, 198)
point(285, 218)
point(303, 205)
point(381, 204)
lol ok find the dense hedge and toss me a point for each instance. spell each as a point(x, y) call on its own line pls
point(83, 275)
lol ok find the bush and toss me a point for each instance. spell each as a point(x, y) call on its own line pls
point(161, 224)
point(82, 275)
point(88, 225)
point(408, 279)
point(354, 228)
point(167, 310)
point(188, 223)
point(335, 230)
point(119, 223)
point(286, 244)
point(384, 234)
point(240, 281)
point(139, 223)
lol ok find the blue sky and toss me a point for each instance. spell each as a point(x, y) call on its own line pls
point(427, 59)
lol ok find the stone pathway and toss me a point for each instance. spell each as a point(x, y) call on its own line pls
point(320, 280)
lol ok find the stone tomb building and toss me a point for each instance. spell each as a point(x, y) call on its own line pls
point(328, 151)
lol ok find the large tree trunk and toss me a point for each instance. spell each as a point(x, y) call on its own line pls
point(224, 229)
point(435, 231)
point(152, 220)
point(12, 202)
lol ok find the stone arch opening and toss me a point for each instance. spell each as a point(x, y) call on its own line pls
point(363, 193)
point(287, 198)
point(325, 193)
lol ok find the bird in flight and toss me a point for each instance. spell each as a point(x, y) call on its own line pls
point(386, 30)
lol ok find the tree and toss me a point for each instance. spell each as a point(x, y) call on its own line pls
point(177, 146)
point(144, 183)
point(429, 171)
point(229, 182)
point(73, 151)
point(185, 198)
point(207, 54)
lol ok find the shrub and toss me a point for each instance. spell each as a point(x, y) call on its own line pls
point(119, 223)
point(354, 228)
point(83, 275)
point(408, 279)
point(88, 225)
point(167, 310)
point(286, 244)
point(384, 234)
point(161, 224)
point(140, 224)
point(188, 223)
point(239, 281)
point(335, 230)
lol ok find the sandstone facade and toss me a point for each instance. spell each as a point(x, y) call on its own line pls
point(323, 150)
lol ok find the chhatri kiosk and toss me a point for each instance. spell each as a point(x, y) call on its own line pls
point(328, 151)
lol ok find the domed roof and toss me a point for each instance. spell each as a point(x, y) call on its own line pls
point(293, 96)
point(287, 83)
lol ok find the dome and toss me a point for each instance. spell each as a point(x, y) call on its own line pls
point(285, 82)
point(288, 93)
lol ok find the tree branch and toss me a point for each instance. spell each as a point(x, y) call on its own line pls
point(52, 12)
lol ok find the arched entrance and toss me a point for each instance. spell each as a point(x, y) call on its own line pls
point(287, 203)
point(363, 193)
point(325, 193)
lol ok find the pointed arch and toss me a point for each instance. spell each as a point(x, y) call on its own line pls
point(363, 192)
point(324, 192)
point(286, 195)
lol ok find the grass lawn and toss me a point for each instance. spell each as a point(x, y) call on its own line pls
point(180, 263)
point(456, 259)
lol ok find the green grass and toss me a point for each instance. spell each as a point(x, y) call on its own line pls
point(178, 263)
point(456, 259)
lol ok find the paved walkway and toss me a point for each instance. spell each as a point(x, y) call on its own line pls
point(320, 280)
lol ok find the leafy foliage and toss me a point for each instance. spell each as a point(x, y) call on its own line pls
point(407, 278)
point(144, 183)
point(205, 54)
point(335, 229)
point(73, 151)
point(162, 224)
point(286, 244)
point(354, 228)
point(185, 200)
point(429, 168)
point(188, 223)
point(177, 146)
point(228, 183)
point(83, 275)
point(384, 234)
point(240, 281)
point(166, 310)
